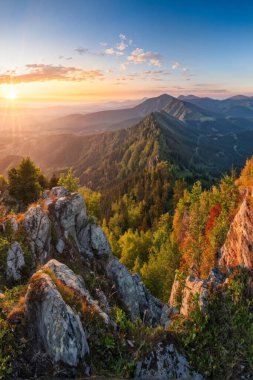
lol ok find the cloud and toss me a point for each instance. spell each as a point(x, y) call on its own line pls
point(140, 56)
point(103, 43)
point(112, 51)
point(122, 37)
point(176, 65)
point(81, 50)
point(124, 65)
point(63, 57)
point(157, 72)
point(43, 73)
point(122, 45)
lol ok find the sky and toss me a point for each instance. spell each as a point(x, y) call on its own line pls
point(97, 50)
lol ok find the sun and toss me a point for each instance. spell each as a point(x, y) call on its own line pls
point(11, 95)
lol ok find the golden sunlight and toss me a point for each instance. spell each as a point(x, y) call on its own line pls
point(11, 95)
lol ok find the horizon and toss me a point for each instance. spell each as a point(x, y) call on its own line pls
point(97, 51)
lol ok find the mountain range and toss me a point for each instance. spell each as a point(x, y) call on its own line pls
point(197, 134)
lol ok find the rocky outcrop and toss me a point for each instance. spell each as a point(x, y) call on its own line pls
point(15, 262)
point(71, 280)
point(134, 296)
point(53, 325)
point(38, 229)
point(176, 291)
point(238, 248)
point(195, 287)
point(68, 212)
point(99, 242)
point(164, 363)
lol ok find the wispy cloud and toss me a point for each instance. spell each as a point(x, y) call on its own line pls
point(138, 56)
point(176, 65)
point(42, 73)
point(66, 58)
point(112, 51)
point(81, 50)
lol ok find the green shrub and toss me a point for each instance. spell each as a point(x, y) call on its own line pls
point(219, 343)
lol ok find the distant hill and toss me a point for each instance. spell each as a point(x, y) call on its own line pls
point(236, 106)
point(122, 118)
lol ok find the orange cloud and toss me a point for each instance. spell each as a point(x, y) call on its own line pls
point(43, 73)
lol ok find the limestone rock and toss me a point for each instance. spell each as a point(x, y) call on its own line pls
point(56, 329)
point(60, 246)
point(38, 228)
point(99, 241)
point(194, 286)
point(70, 279)
point(59, 191)
point(71, 215)
point(15, 262)
point(238, 248)
point(134, 296)
point(67, 276)
point(165, 363)
point(175, 292)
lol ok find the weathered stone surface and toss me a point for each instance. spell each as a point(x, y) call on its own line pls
point(71, 215)
point(99, 241)
point(15, 262)
point(60, 246)
point(57, 330)
point(67, 276)
point(164, 363)
point(70, 279)
point(38, 228)
point(134, 296)
point(175, 292)
point(238, 248)
point(193, 286)
point(71, 212)
point(59, 191)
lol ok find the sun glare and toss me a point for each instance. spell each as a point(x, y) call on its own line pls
point(11, 95)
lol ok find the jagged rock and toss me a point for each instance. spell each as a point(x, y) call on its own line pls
point(67, 276)
point(238, 248)
point(103, 302)
point(53, 325)
point(175, 292)
point(164, 363)
point(71, 216)
point(60, 246)
point(133, 295)
point(194, 285)
point(70, 279)
point(59, 191)
point(99, 241)
point(38, 228)
point(15, 262)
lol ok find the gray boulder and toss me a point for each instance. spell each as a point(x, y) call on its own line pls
point(38, 228)
point(165, 363)
point(70, 212)
point(134, 296)
point(99, 241)
point(59, 191)
point(55, 327)
point(70, 279)
point(196, 286)
point(15, 262)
